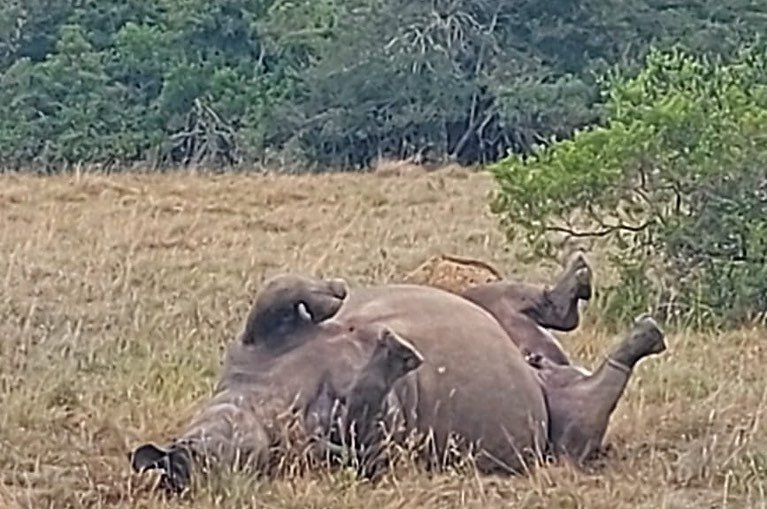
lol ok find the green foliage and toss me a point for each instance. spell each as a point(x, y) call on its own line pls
point(325, 83)
point(58, 106)
point(675, 180)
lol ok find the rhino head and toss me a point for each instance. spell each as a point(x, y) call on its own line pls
point(291, 358)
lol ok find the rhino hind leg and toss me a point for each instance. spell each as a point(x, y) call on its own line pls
point(559, 307)
point(174, 464)
point(580, 412)
point(552, 306)
point(289, 304)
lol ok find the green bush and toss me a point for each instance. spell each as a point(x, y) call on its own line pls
point(674, 182)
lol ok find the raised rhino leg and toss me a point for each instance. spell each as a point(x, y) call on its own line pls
point(288, 305)
point(556, 307)
point(550, 306)
point(580, 411)
point(527, 312)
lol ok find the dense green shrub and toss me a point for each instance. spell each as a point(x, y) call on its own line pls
point(675, 181)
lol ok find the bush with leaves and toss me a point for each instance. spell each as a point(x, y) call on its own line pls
point(674, 181)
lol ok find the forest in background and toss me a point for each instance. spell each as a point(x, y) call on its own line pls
point(324, 83)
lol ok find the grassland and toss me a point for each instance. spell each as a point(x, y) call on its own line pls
point(118, 295)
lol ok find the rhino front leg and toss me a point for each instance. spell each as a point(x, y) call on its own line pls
point(288, 307)
point(580, 412)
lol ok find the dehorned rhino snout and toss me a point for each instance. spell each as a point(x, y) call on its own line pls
point(173, 463)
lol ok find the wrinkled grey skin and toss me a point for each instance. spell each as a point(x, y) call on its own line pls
point(471, 382)
point(449, 368)
point(579, 403)
point(528, 312)
point(289, 359)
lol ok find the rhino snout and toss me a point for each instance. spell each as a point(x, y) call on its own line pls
point(174, 464)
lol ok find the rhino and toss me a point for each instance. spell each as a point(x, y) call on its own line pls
point(398, 360)
point(529, 313)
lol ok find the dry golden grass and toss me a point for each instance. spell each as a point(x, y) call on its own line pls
point(119, 294)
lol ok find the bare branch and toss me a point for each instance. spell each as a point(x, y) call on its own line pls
point(605, 231)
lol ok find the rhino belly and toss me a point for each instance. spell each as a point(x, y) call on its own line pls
point(474, 382)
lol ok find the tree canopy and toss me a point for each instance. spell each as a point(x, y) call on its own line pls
point(324, 83)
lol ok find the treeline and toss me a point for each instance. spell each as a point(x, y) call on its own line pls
point(323, 83)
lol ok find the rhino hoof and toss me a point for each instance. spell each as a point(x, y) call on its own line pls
point(401, 348)
point(581, 270)
point(339, 288)
point(648, 334)
point(583, 282)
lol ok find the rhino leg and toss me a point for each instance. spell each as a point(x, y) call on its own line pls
point(557, 306)
point(288, 305)
point(552, 307)
point(580, 411)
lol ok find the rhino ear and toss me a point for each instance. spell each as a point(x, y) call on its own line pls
point(405, 354)
point(147, 457)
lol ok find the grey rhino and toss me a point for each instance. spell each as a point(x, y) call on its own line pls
point(445, 367)
point(529, 312)
point(289, 359)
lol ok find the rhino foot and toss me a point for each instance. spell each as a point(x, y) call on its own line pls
point(647, 336)
point(644, 339)
point(582, 275)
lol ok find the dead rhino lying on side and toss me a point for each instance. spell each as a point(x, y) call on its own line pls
point(429, 361)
